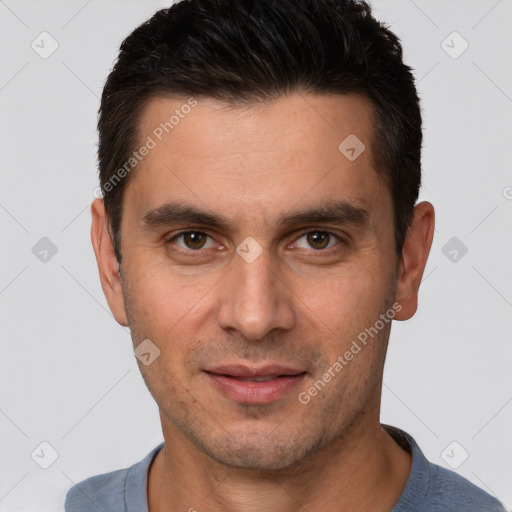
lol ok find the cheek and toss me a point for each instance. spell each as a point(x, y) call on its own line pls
point(171, 312)
point(347, 302)
point(165, 301)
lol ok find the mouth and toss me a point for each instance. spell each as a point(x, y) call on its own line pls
point(252, 385)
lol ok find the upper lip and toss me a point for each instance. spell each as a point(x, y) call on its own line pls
point(246, 372)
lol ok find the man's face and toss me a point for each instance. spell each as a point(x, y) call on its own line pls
point(221, 317)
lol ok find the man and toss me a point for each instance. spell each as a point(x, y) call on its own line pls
point(260, 165)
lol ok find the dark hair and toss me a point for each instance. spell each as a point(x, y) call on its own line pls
point(250, 51)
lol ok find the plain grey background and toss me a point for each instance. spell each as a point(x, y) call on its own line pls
point(68, 376)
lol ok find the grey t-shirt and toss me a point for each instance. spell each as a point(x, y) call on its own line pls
point(430, 488)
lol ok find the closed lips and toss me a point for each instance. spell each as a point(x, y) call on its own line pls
point(262, 374)
point(263, 378)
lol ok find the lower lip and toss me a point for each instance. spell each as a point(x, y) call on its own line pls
point(252, 392)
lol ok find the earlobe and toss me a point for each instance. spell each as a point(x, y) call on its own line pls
point(108, 266)
point(414, 259)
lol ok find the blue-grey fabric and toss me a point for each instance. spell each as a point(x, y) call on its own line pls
point(430, 488)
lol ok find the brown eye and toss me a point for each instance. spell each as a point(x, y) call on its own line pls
point(193, 240)
point(316, 240)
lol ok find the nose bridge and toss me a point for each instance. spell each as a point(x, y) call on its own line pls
point(255, 301)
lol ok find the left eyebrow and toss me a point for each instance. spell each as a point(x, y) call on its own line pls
point(331, 212)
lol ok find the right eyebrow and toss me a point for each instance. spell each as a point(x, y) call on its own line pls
point(174, 213)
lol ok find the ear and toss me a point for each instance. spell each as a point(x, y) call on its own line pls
point(413, 259)
point(107, 264)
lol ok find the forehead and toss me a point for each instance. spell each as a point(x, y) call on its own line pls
point(296, 118)
point(297, 145)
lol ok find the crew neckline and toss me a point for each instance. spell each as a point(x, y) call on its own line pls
point(416, 488)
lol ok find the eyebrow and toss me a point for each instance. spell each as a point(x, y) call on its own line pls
point(330, 212)
point(176, 213)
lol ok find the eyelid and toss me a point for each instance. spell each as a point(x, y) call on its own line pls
point(319, 230)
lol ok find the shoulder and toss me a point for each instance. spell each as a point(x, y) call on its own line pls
point(449, 488)
point(100, 492)
point(432, 488)
point(122, 490)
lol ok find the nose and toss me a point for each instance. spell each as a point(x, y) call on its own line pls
point(255, 298)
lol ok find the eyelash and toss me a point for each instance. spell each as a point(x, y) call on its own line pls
point(300, 235)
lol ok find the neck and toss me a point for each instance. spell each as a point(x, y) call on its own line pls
point(363, 470)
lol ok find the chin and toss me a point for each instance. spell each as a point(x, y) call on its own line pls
point(263, 451)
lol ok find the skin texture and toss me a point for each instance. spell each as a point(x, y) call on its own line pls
point(300, 303)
